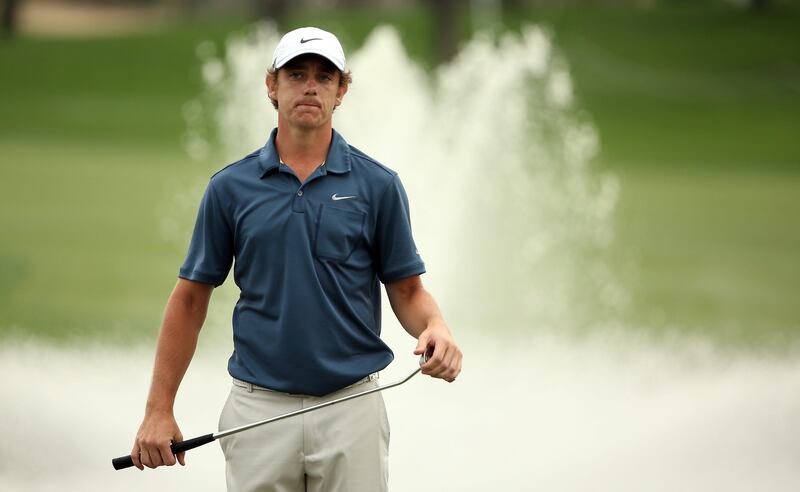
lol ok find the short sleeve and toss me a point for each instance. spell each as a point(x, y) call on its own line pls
point(211, 249)
point(397, 255)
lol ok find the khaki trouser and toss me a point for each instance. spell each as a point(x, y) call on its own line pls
point(340, 448)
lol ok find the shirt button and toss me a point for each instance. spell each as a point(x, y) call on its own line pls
point(300, 193)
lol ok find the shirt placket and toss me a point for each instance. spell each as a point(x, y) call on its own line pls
point(299, 200)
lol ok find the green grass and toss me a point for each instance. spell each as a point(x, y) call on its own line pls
point(81, 250)
point(710, 252)
point(126, 90)
point(697, 108)
point(91, 135)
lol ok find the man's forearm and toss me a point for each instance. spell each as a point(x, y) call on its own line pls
point(416, 309)
point(183, 318)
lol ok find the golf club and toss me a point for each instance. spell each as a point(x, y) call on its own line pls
point(179, 447)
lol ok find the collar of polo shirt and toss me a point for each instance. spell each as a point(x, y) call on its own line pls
point(337, 161)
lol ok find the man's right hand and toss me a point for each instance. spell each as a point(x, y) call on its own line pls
point(152, 445)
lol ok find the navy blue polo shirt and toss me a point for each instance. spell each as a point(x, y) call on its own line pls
point(308, 261)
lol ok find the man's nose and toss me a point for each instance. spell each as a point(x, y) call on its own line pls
point(311, 86)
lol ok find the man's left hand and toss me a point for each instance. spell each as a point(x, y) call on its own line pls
point(444, 356)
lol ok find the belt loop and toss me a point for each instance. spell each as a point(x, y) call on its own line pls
point(249, 387)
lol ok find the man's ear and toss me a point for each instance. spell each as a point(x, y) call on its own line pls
point(272, 83)
point(340, 92)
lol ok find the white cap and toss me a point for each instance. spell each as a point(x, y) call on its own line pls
point(308, 40)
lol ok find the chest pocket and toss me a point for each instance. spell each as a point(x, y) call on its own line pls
point(338, 232)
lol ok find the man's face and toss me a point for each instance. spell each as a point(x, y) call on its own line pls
point(307, 90)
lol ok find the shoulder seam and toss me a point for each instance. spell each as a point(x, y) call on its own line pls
point(243, 159)
point(386, 188)
point(358, 153)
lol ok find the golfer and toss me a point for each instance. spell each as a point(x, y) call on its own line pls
point(314, 226)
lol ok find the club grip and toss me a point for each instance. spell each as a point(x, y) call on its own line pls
point(176, 447)
point(122, 462)
point(179, 447)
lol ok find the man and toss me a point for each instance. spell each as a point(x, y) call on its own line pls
point(314, 225)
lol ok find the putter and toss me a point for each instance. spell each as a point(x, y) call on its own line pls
point(180, 447)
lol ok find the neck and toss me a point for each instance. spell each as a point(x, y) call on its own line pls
point(303, 148)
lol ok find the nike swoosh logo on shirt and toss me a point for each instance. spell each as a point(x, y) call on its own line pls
point(335, 196)
point(303, 41)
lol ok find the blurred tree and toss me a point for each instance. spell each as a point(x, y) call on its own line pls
point(272, 9)
point(487, 15)
point(759, 5)
point(445, 24)
point(354, 3)
point(10, 17)
point(511, 5)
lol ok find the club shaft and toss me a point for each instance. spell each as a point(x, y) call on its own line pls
point(251, 425)
point(179, 447)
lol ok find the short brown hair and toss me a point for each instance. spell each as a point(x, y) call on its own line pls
point(345, 78)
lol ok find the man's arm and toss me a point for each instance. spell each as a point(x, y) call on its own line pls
point(417, 311)
point(184, 315)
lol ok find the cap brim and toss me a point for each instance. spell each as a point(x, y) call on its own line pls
point(308, 51)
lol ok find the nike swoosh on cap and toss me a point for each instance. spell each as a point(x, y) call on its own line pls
point(303, 41)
